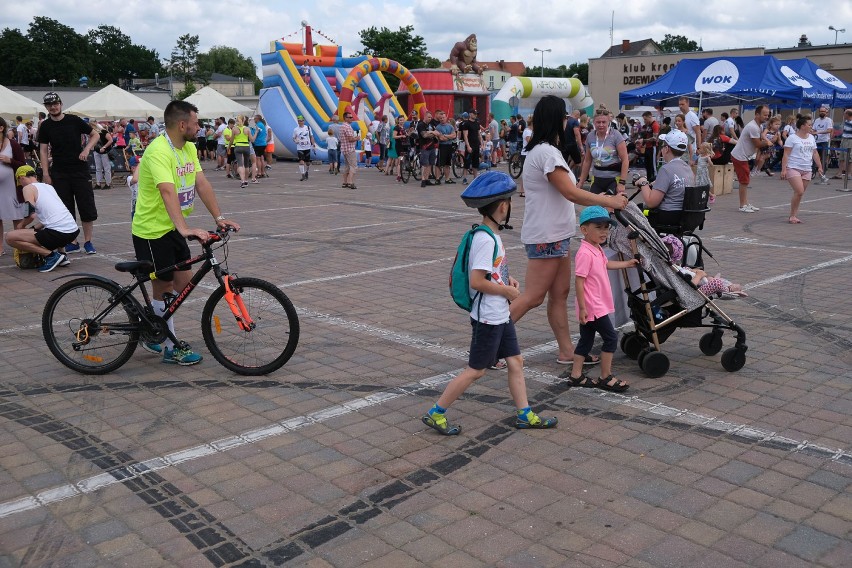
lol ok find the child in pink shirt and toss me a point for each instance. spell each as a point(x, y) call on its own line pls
point(594, 300)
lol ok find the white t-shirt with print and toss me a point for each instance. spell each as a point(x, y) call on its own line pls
point(494, 310)
point(548, 216)
point(302, 137)
point(801, 151)
point(821, 124)
point(745, 147)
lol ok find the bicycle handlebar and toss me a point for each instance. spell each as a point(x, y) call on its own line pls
point(219, 235)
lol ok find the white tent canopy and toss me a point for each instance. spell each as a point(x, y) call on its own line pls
point(211, 104)
point(113, 103)
point(12, 104)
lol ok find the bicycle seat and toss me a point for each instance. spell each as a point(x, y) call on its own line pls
point(135, 266)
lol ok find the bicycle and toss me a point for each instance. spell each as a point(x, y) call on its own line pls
point(93, 325)
point(516, 165)
point(410, 166)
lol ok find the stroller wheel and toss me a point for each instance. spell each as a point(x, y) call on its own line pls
point(655, 364)
point(632, 344)
point(733, 359)
point(710, 343)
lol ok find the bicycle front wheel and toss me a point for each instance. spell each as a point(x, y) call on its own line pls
point(516, 168)
point(272, 335)
point(80, 339)
point(404, 171)
point(416, 170)
point(458, 165)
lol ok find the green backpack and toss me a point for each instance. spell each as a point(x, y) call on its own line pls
point(460, 275)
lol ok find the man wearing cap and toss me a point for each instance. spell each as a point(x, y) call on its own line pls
point(472, 143)
point(665, 197)
point(60, 137)
point(55, 228)
point(304, 140)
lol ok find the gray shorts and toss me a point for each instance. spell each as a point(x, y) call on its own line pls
point(221, 151)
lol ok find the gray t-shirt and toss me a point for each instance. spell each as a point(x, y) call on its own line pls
point(745, 146)
point(604, 153)
point(672, 178)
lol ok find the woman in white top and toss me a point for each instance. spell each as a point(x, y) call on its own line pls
point(799, 151)
point(550, 222)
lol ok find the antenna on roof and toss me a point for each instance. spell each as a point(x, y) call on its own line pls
point(611, 28)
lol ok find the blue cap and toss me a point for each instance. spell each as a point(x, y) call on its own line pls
point(133, 161)
point(595, 214)
point(465, 115)
point(487, 188)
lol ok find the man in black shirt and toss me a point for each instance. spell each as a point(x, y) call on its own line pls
point(68, 173)
point(472, 142)
point(514, 135)
point(428, 137)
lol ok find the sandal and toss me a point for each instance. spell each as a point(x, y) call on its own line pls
point(582, 381)
point(590, 361)
point(617, 386)
point(794, 221)
point(499, 365)
point(441, 425)
point(345, 186)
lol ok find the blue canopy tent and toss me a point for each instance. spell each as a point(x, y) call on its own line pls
point(720, 81)
point(822, 81)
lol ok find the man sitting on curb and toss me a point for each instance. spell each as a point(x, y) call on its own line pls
point(55, 227)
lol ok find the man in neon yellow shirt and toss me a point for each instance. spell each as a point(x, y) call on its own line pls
point(170, 177)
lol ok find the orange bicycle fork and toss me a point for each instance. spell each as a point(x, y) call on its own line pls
point(238, 308)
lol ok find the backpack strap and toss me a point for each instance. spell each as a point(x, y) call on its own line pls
point(474, 230)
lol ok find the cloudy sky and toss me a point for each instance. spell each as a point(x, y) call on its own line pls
point(575, 30)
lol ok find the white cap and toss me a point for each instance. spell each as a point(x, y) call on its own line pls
point(676, 140)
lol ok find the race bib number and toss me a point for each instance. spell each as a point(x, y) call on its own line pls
point(186, 196)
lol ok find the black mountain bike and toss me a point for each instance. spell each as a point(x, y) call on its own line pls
point(410, 167)
point(516, 165)
point(93, 325)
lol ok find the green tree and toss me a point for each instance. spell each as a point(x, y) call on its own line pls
point(402, 46)
point(579, 69)
point(188, 90)
point(56, 52)
point(15, 48)
point(183, 62)
point(115, 59)
point(228, 61)
point(678, 44)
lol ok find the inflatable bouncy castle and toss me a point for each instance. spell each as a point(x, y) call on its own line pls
point(316, 81)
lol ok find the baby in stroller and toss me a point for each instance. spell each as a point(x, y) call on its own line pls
point(709, 286)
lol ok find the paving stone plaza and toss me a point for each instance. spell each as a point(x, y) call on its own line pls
point(326, 462)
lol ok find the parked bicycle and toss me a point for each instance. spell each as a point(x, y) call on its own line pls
point(93, 325)
point(410, 165)
point(516, 165)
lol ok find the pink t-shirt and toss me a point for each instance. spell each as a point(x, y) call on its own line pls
point(590, 263)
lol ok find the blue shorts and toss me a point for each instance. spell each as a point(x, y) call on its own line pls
point(557, 249)
point(603, 326)
point(488, 343)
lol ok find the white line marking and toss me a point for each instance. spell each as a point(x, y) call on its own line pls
point(798, 272)
point(751, 241)
point(806, 201)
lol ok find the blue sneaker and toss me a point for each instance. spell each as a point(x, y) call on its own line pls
point(178, 356)
point(90, 248)
point(51, 261)
point(152, 347)
point(72, 247)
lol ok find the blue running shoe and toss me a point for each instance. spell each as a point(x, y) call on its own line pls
point(178, 356)
point(72, 247)
point(152, 347)
point(51, 261)
point(90, 248)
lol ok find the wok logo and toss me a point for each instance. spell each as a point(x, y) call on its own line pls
point(830, 79)
point(719, 76)
point(795, 78)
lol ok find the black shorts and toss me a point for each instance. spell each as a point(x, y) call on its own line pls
point(474, 157)
point(573, 152)
point(76, 188)
point(211, 145)
point(489, 343)
point(52, 240)
point(602, 185)
point(259, 151)
point(445, 152)
point(166, 251)
point(602, 325)
point(304, 155)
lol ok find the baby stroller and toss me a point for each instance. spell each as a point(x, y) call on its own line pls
point(665, 300)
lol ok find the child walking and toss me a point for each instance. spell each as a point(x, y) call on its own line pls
point(493, 336)
point(594, 300)
point(332, 143)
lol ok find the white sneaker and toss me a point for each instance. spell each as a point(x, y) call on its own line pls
point(746, 208)
point(753, 208)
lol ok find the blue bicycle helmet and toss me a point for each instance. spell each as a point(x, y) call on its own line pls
point(488, 188)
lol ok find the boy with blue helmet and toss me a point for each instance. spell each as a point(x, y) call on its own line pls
point(493, 335)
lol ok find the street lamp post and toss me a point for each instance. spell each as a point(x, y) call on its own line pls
point(542, 57)
point(837, 31)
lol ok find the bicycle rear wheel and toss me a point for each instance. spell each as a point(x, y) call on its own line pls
point(416, 170)
point(271, 341)
point(515, 166)
point(77, 339)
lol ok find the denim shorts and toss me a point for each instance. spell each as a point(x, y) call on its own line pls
point(557, 249)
